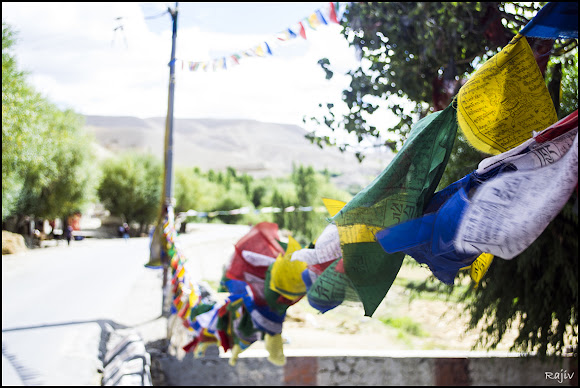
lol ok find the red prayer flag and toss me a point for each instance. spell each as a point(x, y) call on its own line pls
point(333, 13)
point(302, 30)
point(262, 239)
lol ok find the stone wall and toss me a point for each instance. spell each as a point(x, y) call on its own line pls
point(418, 368)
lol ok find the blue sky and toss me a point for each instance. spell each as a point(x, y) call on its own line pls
point(75, 57)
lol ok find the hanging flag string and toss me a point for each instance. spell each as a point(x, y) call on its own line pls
point(246, 210)
point(314, 21)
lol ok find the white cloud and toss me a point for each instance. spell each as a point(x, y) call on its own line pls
point(77, 60)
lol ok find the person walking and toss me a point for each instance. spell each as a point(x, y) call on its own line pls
point(126, 231)
point(68, 233)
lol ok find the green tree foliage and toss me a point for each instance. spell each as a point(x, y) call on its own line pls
point(229, 190)
point(47, 158)
point(414, 58)
point(305, 223)
point(131, 187)
point(408, 50)
point(564, 70)
point(194, 190)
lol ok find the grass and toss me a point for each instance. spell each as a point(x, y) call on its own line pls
point(406, 326)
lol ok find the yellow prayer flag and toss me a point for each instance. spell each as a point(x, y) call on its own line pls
point(333, 206)
point(357, 233)
point(275, 347)
point(505, 100)
point(286, 275)
point(292, 247)
point(313, 21)
point(193, 298)
point(479, 267)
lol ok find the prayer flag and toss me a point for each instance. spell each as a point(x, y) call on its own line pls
point(259, 51)
point(328, 290)
point(555, 20)
point(302, 31)
point(479, 267)
point(250, 259)
point(333, 206)
point(268, 48)
point(399, 193)
point(505, 100)
point(286, 274)
point(321, 17)
point(326, 250)
point(507, 214)
point(332, 14)
point(514, 201)
point(313, 21)
point(275, 347)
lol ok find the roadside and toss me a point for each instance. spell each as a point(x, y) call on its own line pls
point(402, 322)
point(405, 320)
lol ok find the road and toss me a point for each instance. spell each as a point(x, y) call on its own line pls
point(56, 300)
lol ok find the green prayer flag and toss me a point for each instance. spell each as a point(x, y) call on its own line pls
point(398, 194)
point(331, 289)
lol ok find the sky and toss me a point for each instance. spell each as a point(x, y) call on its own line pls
point(112, 59)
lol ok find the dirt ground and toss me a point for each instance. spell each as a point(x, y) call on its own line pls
point(412, 324)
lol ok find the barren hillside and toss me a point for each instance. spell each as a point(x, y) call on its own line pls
point(258, 148)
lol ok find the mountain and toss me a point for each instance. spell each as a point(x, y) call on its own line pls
point(257, 148)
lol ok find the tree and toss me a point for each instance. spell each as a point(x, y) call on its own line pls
point(131, 187)
point(414, 58)
point(304, 179)
point(194, 191)
point(418, 75)
point(47, 157)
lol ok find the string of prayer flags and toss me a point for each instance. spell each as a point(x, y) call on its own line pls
point(497, 210)
point(505, 100)
point(246, 210)
point(399, 193)
point(511, 206)
point(246, 279)
point(555, 20)
point(244, 319)
point(235, 330)
point(314, 21)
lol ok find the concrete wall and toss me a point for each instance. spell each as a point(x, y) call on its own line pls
point(417, 368)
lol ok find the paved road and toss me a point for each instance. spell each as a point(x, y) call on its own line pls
point(56, 301)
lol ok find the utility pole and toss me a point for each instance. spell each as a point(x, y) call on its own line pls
point(158, 254)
